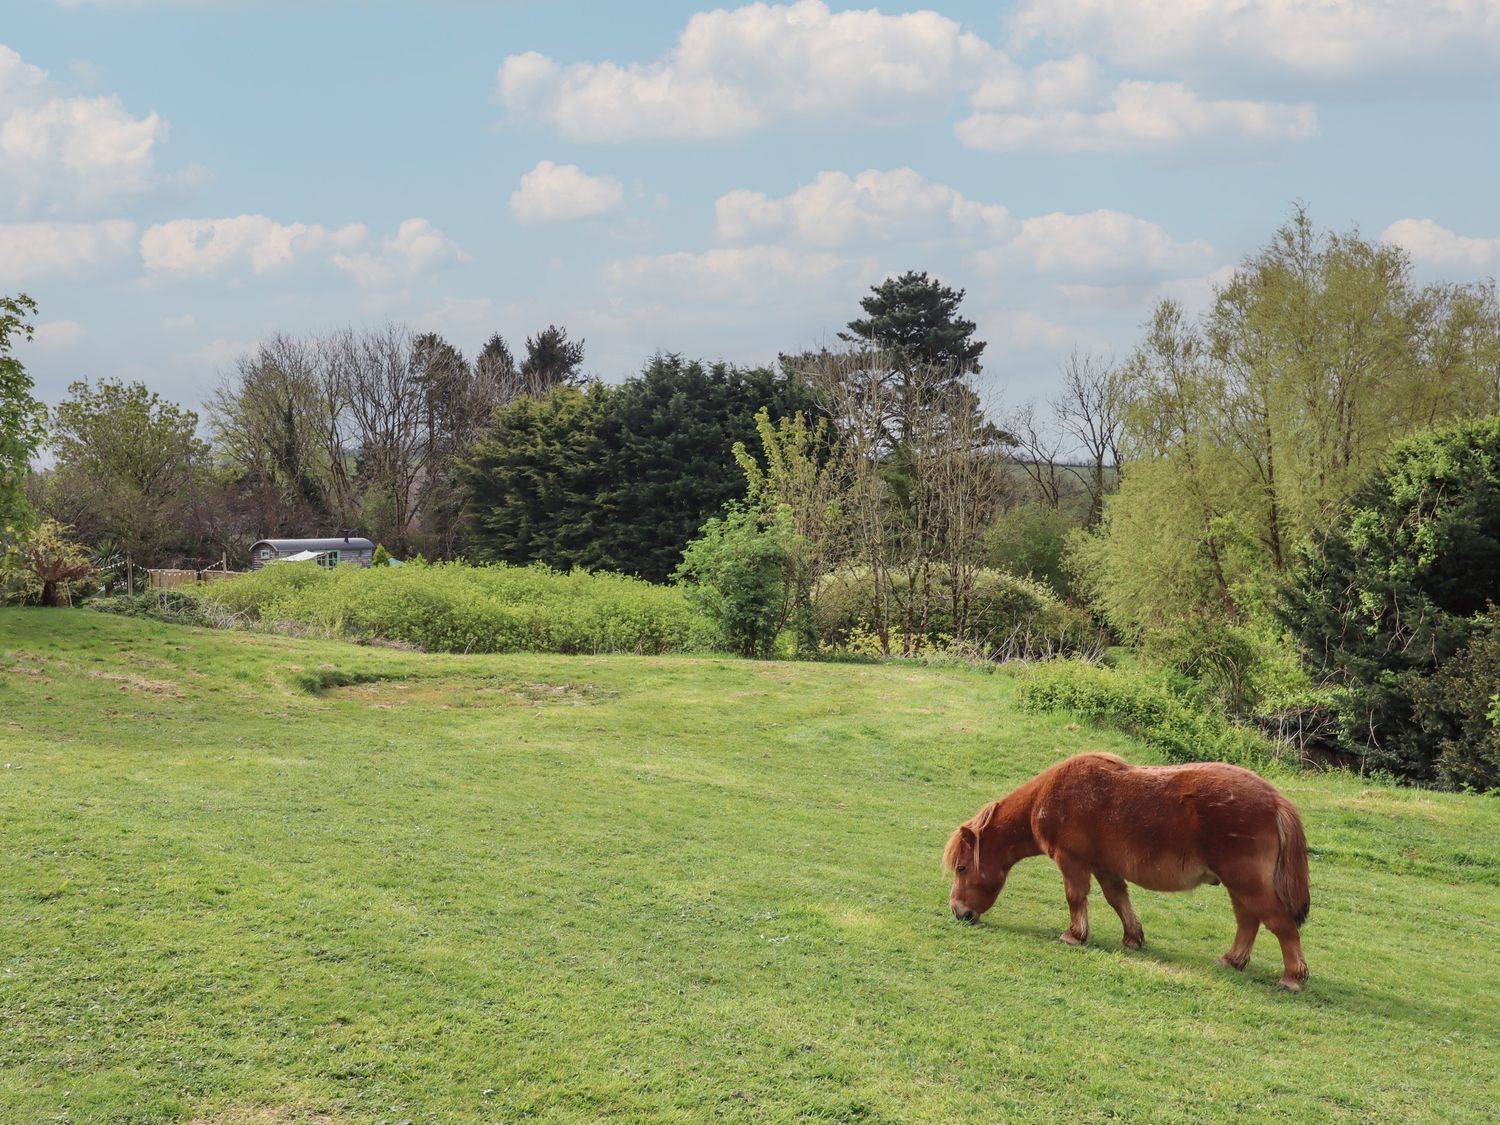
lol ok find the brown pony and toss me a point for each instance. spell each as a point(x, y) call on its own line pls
point(1165, 828)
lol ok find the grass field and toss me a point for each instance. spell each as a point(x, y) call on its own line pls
point(261, 880)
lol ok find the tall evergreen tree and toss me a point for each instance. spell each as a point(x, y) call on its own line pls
point(916, 317)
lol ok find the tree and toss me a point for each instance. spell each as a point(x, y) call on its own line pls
point(22, 418)
point(740, 572)
point(551, 361)
point(535, 480)
point(1400, 585)
point(130, 465)
point(48, 565)
point(1245, 430)
point(671, 466)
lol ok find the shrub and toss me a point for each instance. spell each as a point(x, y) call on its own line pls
point(453, 607)
point(1009, 617)
point(736, 571)
point(1459, 708)
point(1030, 541)
point(1136, 705)
point(1398, 587)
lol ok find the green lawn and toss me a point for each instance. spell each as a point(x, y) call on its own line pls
point(663, 889)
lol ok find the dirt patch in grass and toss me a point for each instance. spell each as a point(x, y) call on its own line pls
point(268, 1115)
point(451, 695)
point(130, 682)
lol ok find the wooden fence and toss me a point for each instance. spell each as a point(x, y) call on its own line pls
point(171, 579)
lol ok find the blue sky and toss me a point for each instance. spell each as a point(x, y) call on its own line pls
point(179, 180)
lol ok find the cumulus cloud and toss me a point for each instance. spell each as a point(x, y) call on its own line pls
point(203, 247)
point(736, 71)
point(59, 151)
point(29, 250)
point(837, 208)
point(416, 246)
point(1432, 244)
point(1134, 115)
point(1317, 37)
point(260, 245)
point(1098, 242)
point(555, 192)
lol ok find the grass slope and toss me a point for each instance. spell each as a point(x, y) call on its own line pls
point(253, 879)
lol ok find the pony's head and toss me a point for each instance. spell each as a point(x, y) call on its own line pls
point(977, 872)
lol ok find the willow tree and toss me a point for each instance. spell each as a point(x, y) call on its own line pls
point(1247, 427)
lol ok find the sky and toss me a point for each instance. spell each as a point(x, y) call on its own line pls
point(180, 179)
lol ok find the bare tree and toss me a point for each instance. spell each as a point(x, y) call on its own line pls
point(1090, 410)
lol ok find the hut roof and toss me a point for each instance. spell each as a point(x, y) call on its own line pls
point(288, 546)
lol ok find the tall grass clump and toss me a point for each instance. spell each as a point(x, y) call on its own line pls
point(454, 607)
point(1138, 705)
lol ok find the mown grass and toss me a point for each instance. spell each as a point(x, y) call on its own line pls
point(256, 879)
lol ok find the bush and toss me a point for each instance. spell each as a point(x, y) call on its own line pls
point(1009, 617)
point(179, 606)
point(1030, 541)
point(1136, 705)
point(453, 607)
point(736, 572)
point(1459, 707)
point(1398, 587)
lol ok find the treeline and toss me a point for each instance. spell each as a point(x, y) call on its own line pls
point(1288, 506)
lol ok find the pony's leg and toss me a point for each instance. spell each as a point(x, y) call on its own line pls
point(1273, 915)
point(1118, 896)
point(1247, 927)
point(1076, 888)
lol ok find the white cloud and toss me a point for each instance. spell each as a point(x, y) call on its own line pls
point(57, 334)
point(177, 323)
point(1024, 328)
point(1432, 244)
point(1095, 243)
point(218, 353)
point(1135, 115)
point(555, 192)
point(735, 71)
point(1318, 37)
point(836, 209)
point(203, 247)
point(30, 250)
point(416, 246)
point(59, 151)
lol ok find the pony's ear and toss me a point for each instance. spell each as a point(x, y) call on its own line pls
point(968, 834)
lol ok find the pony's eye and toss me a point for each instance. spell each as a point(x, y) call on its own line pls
point(961, 868)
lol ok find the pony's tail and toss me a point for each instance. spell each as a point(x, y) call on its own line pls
point(1290, 879)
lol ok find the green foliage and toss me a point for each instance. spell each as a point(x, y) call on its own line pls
point(618, 478)
point(1457, 707)
point(177, 607)
point(1400, 585)
point(1246, 430)
point(44, 565)
point(1030, 541)
point(451, 607)
point(536, 479)
point(381, 557)
point(737, 572)
point(1142, 707)
point(917, 317)
point(22, 418)
point(1010, 618)
point(130, 465)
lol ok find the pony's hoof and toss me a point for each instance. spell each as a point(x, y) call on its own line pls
point(1234, 963)
point(1291, 984)
point(1134, 942)
point(1069, 938)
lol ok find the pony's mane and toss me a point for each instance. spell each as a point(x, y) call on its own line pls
point(977, 823)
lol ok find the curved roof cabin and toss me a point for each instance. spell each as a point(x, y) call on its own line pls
point(345, 551)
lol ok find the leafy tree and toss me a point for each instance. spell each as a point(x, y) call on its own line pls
point(132, 464)
point(1398, 587)
point(671, 466)
point(47, 566)
point(1244, 431)
point(22, 418)
point(737, 572)
point(535, 479)
point(382, 557)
